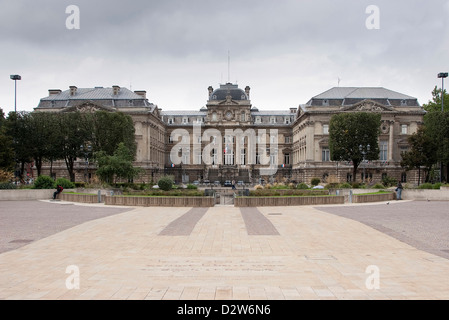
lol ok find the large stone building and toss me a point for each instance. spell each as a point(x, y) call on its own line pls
point(229, 139)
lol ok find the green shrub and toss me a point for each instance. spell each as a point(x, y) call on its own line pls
point(437, 185)
point(44, 182)
point(345, 185)
point(378, 186)
point(315, 181)
point(430, 186)
point(302, 185)
point(355, 185)
point(65, 183)
point(389, 181)
point(192, 187)
point(7, 185)
point(165, 183)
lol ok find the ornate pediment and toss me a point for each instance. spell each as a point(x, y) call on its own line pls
point(228, 102)
point(368, 106)
point(88, 107)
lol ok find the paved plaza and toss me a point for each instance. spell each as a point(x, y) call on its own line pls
point(59, 250)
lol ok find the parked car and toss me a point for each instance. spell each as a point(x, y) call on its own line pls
point(196, 182)
point(227, 183)
point(206, 182)
point(217, 183)
point(240, 183)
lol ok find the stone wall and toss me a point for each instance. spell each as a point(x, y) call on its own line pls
point(160, 201)
point(286, 201)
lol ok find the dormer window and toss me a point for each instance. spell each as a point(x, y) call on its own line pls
point(403, 102)
point(273, 120)
point(258, 119)
point(170, 121)
point(185, 120)
point(326, 102)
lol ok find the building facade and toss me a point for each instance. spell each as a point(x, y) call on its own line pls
point(230, 139)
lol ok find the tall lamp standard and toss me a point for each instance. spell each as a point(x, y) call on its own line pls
point(364, 152)
point(15, 77)
point(442, 75)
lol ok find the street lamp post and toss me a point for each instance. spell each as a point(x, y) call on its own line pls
point(442, 75)
point(364, 152)
point(15, 77)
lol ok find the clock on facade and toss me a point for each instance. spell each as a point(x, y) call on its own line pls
point(228, 115)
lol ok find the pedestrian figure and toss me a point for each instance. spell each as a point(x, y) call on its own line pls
point(59, 189)
point(399, 191)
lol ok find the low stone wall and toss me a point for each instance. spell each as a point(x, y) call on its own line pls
point(286, 201)
point(26, 194)
point(362, 198)
point(83, 198)
point(160, 201)
point(426, 194)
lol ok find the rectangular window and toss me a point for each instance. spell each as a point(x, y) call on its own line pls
point(287, 158)
point(325, 154)
point(383, 156)
point(404, 129)
point(258, 119)
point(326, 129)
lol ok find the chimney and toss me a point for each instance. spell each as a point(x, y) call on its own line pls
point(52, 92)
point(115, 90)
point(141, 93)
point(210, 91)
point(73, 90)
point(247, 89)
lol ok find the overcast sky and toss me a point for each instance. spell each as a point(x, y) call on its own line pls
point(287, 51)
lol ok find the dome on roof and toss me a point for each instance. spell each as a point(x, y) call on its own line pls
point(228, 89)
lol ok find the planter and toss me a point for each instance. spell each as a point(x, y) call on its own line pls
point(362, 198)
point(83, 198)
point(160, 201)
point(286, 201)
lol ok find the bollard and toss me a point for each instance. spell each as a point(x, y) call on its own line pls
point(350, 196)
point(99, 196)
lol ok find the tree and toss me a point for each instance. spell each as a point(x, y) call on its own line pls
point(116, 166)
point(75, 130)
point(435, 103)
point(112, 128)
point(18, 127)
point(6, 146)
point(43, 139)
point(437, 128)
point(347, 131)
point(422, 153)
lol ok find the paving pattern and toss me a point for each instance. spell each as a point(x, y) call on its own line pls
point(315, 255)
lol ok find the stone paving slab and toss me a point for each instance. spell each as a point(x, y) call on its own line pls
point(317, 255)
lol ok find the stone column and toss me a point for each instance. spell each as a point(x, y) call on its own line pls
point(391, 142)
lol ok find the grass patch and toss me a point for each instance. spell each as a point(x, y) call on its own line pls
point(378, 192)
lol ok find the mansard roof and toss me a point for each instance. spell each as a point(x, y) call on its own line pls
point(344, 96)
point(111, 97)
point(228, 89)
